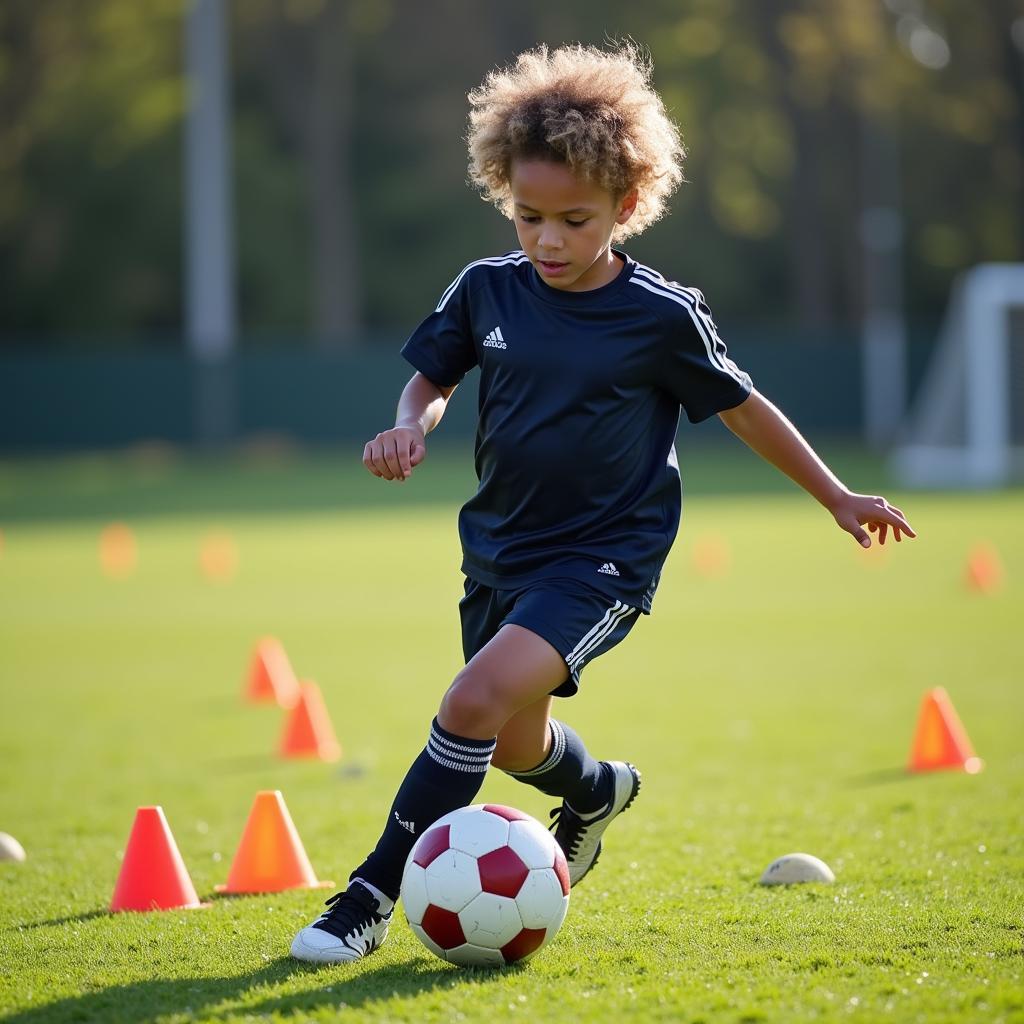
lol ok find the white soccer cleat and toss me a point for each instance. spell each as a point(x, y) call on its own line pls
point(580, 836)
point(350, 929)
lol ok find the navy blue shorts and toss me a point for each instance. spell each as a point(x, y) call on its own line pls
point(580, 623)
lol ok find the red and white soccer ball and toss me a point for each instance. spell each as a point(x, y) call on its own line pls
point(485, 885)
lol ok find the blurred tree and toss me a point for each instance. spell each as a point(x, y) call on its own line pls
point(301, 52)
point(91, 100)
point(349, 152)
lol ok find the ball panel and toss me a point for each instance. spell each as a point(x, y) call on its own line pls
point(452, 880)
point(414, 892)
point(559, 918)
point(540, 899)
point(477, 832)
point(490, 920)
point(533, 842)
point(502, 872)
point(431, 845)
point(525, 944)
point(427, 940)
point(561, 868)
point(474, 956)
point(508, 813)
point(443, 927)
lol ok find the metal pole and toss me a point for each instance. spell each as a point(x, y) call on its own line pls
point(210, 313)
point(883, 334)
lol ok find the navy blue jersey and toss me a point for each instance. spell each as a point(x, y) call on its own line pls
point(579, 403)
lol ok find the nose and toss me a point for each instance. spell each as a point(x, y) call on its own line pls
point(549, 238)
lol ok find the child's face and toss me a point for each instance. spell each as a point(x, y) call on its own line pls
point(565, 224)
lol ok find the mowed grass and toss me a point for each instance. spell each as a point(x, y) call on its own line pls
point(770, 704)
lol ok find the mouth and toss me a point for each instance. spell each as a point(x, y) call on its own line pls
point(551, 268)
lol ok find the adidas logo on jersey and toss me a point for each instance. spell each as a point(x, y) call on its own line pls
point(609, 569)
point(494, 339)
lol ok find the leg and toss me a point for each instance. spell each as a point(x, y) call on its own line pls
point(582, 625)
point(506, 676)
point(515, 670)
point(525, 739)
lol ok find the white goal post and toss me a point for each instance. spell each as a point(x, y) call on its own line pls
point(966, 428)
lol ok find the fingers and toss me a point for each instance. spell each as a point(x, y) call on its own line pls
point(392, 454)
point(371, 457)
point(897, 522)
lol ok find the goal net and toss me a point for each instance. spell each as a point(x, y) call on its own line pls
point(966, 428)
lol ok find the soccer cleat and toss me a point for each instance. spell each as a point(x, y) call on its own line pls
point(350, 929)
point(580, 836)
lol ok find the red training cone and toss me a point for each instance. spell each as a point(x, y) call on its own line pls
point(271, 678)
point(153, 875)
point(308, 731)
point(270, 856)
point(940, 740)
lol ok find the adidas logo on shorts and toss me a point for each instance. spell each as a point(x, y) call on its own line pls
point(609, 569)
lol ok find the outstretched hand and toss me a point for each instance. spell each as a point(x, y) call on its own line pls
point(392, 454)
point(854, 511)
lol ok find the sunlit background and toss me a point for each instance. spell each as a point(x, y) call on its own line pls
point(216, 218)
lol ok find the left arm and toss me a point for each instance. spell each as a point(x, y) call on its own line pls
point(764, 429)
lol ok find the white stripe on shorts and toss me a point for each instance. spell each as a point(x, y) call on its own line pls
point(612, 617)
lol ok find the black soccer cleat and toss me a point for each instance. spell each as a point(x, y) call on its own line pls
point(352, 927)
point(580, 837)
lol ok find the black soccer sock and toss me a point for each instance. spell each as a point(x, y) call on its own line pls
point(447, 775)
point(569, 772)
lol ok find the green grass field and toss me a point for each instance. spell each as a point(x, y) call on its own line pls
point(770, 708)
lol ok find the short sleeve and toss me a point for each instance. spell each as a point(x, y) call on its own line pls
point(442, 348)
point(698, 371)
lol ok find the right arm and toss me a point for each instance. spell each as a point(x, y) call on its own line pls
point(393, 453)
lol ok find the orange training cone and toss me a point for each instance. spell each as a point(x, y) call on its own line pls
point(119, 553)
point(270, 855)
point(271, 677)
point(218, 556)
point(153, 875)
point(940, 740)
point(308, 731)
point(711, 555)
point(984, 570)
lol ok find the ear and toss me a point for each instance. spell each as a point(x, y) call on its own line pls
point(628, 206)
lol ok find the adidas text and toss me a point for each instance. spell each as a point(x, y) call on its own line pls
point(494, 339)
point(609, 569)
point(409, 826)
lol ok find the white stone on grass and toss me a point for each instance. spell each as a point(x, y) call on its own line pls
point(797, 867)
point(10, 848)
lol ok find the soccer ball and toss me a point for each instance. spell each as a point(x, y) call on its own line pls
point(485, 886)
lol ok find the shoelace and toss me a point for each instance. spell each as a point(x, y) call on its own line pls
point(351, 911)
point(568, 829)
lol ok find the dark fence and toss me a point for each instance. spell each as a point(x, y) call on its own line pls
point(56, 400)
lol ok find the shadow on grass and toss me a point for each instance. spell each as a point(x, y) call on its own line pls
point(143, 1001)
point(881, 777)
point(56, 922)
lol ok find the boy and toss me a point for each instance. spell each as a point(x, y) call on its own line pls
point(585, 359)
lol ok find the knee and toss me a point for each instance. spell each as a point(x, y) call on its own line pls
point(474, 706)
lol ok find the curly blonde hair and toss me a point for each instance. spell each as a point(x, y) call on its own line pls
point(592, 110)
